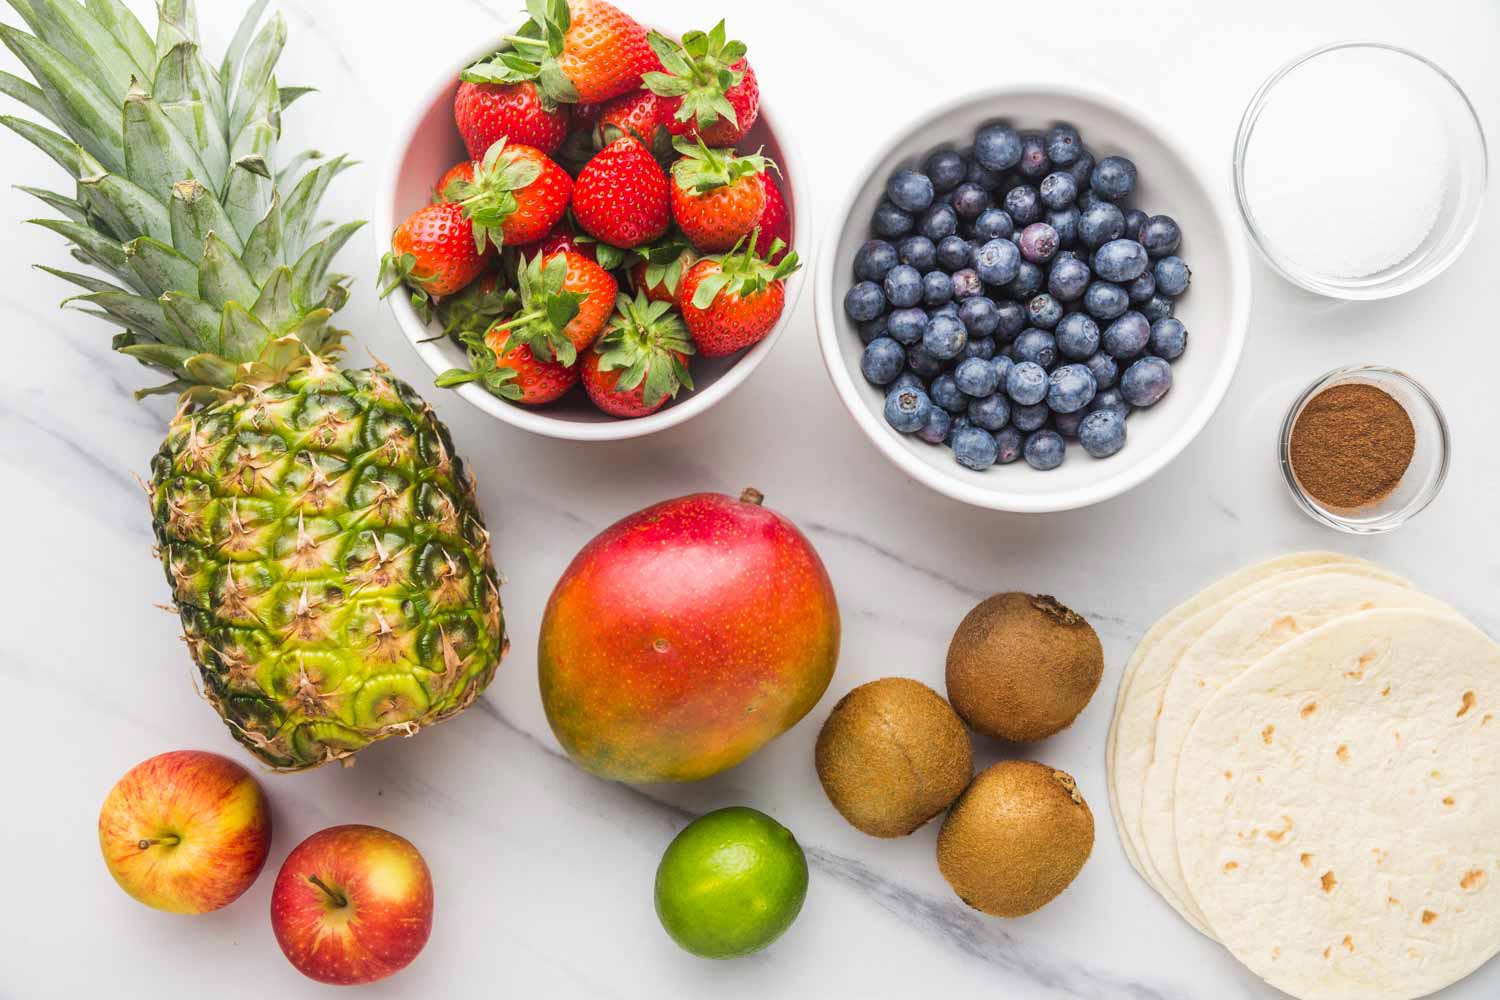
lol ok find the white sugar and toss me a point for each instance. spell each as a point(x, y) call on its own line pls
point(1346, 172)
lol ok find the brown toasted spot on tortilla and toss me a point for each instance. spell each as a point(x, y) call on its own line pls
point(1228, 775)
point(1392, 901)
point(1472, 880)
point(1329, 882)
point(1342, 753)
point(1448, 801)
point(1309, 709)
point(1266, 734)
point(1230, 866)
point(1387, 692)
point(1348, 942)
point(1306, 860)
point(1327, 952)
point(1275, 954)
point(1468, 704)
point(1428, 916)
point(1277, 836)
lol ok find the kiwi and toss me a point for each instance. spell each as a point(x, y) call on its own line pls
point(1017, 838)
point(893, 755)
point(1021, 667)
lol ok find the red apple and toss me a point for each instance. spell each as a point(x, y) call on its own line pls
point(185, 832)
point(352, 904)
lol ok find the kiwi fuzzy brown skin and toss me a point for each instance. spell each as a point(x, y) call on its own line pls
point(1016, 839)
point(1022, 666)
point(892, 755)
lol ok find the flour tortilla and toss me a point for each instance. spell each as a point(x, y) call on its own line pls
point(1148, 673)
point(1259, 623)
point(1336, 809)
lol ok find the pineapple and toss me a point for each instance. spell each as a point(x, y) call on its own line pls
point(320, 537)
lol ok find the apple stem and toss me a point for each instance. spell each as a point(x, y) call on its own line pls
point(339, 899)
point(170, 840)
point(752, 495)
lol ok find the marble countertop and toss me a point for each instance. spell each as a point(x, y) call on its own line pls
point(543, 873)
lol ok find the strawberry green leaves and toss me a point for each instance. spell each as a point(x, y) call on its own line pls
point(532, 54)
point(646, 342)
point(701, 170)
point(489, 199)
point(546, 309)
point(745, 273)
point(701, 71)
point(498, 379)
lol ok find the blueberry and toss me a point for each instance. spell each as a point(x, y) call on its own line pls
point(882, 361)
point(1065, 221)
point(938, 426)
point(1158, 307)
point(903, 286)
point(1160, 235)
point(979, 315)
point(986, 178)
point(1063, 144)
point(1002, 365)
point(938, 222)
point(874, 260)
point(1029, 418)
point(1008, 444)
point(1141, 289)
point(1087, 199)
point(889, 221)
point(997, 147)
point(1027, 282)
point(1172, 276)
point(974, 448)
point(906, 409)
point(1105, 301)
point(1120, 260)
point(944, 338)
point(1110, 399)
point(909, 190)
point(997, 262)
point(1034, 162)
point(919, 252)
point(966, 284)
point(1102, 433)
point(979, 347)
point(1105, 368)
point(993, 224)
point(1038, 243)
point(1113, 178)
point(1045, 450)
point(1066, 424)
point(1146, 382)
point(1026, 383)
point(1037, 346)
point(1168, 338)
point(1100, 223)
point(1082, 168)
point(970, 201)
point(1012, 320)
point(1068, 279)
point(1077, 337)
point(1044, 311)
point(1058, 190)
point(874, 330)
point(992, 412)
point(1133, 221)
point(1023, 204)
point(946, 309)
point(946, 168)
point(1127, 336)
point(906, 380)
point(975, 377)
point(946, 393)
point(864, 302)
point(1071, 388)
point(958, 423)
point(954, 253)
point(919, 362)
point(906, 326)
point(937, 288)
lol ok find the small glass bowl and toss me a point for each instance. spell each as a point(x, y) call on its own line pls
point(1465, 172)
point(1429, 462)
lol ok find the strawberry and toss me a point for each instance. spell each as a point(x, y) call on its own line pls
point(463, 173)
point(510, 370)
point(622, 196)
point(434, 252)
point(775, 222)
point(733, 301)
point(562, 238)
point(576, 50)
point(717, 197)
point(477, 307)
point(489, 112)
point(638, 114)
point(710, 90)
point(659, 269)
point(516, 195)
point(565, 301)
point(641, 360)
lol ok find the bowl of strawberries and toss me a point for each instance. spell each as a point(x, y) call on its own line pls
point(593, 225)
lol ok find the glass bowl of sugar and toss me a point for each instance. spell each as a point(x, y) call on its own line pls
point(1360, 170)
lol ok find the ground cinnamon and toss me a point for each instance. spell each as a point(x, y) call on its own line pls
point(1351, 444)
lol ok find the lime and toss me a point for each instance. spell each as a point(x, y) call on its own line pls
point(730, 883)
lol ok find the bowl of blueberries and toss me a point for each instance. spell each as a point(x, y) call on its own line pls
point(1037, 300)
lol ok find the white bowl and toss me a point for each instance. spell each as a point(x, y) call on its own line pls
point(428, 144)
point(1216, 309)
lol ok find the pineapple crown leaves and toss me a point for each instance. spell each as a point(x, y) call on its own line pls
point(700, 70)
point(702, 170)
point(532, 54)
point(489, 199)
point(646, 342)
point(484, 368)
point(546, 309)
point(744, 272)
point(212, 256)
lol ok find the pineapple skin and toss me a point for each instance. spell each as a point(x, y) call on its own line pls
point(329, 563)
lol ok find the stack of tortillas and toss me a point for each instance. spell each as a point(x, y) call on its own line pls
point(1305, 763)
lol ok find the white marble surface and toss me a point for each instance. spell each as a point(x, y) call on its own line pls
point(543, 873)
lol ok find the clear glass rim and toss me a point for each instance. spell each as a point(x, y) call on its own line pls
point(1392, 519)
point(1409, 278)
